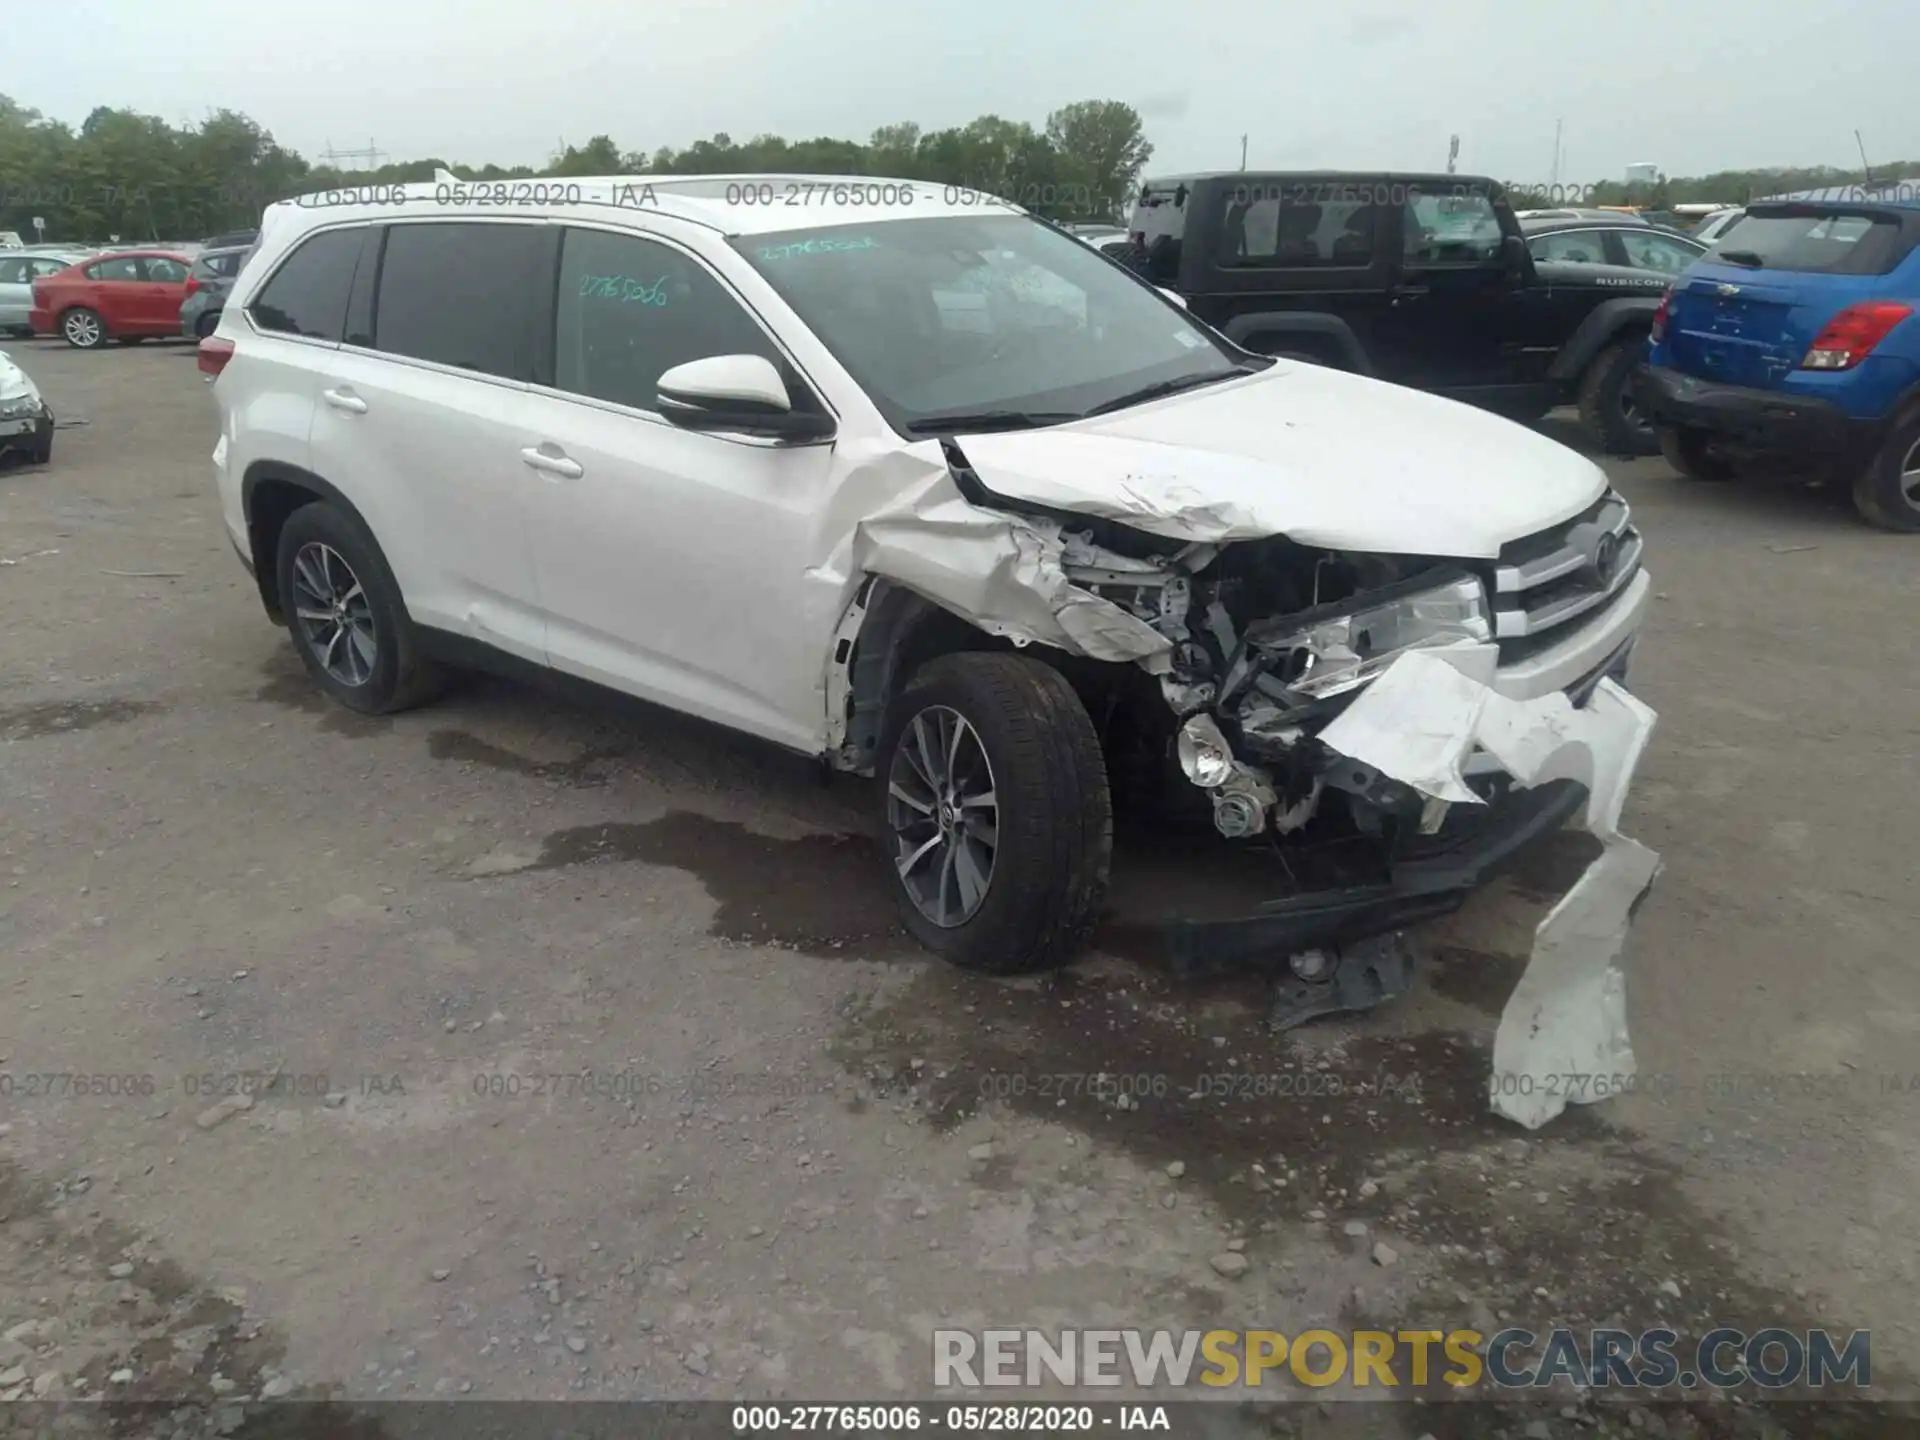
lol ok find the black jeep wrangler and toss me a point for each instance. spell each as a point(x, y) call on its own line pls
point(1423, 280)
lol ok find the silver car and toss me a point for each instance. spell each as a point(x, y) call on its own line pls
point(18, 270)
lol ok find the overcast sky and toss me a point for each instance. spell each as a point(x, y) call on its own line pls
point(1692, 85)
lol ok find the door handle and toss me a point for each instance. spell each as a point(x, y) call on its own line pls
point(552, 462)
point(345, 400)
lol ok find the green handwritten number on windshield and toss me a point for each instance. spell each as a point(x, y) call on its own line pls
point(624, 289)
point(829, 245)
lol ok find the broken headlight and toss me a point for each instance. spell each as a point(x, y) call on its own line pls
point(1300, 659)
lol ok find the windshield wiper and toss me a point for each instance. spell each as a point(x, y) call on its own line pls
point(1164, 387)
point(983, 420)
point(1747, 258)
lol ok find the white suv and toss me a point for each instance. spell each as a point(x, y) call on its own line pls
point(898, 476)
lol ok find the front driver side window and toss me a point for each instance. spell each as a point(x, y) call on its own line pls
point(631, 309)
point(123, 267)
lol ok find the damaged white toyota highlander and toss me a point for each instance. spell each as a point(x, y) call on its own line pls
point(900, 477)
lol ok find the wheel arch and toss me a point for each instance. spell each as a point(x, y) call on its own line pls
point(1606, 323)
point(888, 633)
point(270, 492)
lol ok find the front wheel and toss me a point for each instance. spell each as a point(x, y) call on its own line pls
point(348, 620)
point(83, 329)
point(1887, 491)
point(996, 820)
point(1608, 406)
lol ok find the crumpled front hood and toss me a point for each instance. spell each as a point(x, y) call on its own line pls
point(1322, 456)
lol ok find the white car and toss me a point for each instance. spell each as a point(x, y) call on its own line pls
point(26, 421)
point(932, 492)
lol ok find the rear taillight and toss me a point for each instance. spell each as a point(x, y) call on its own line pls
point(193, 283)
point(214, 355)
point(1851, 335)
point(1660, 316)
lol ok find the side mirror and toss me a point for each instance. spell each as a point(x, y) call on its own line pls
point(1174, 295)
point(1514, 257)
point(735, 392)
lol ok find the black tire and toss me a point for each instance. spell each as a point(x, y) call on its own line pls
point(1686, 451)
point(1886, 492)
point(82, 328)
point(398, 677)
point(1608, 408)
point(206, 325)
point(1053, 817)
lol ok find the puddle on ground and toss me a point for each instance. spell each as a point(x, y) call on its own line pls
point(61, 717)
point(821, 894)
point(294, 689)
point(593, 767)
point(1477, 978)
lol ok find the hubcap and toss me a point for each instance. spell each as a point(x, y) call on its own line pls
point(944, 818)
point(336, 622)
point(1910, 476)
point(82, 329)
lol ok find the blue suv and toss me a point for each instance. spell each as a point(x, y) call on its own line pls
point(1794, 346)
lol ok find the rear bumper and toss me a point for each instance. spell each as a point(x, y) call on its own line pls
point(1784, 425)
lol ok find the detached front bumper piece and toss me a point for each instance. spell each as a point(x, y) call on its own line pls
point(1421, 724)
point(1430, 879)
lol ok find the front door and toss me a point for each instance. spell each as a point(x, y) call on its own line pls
point(673, 565)
point(1455, 322)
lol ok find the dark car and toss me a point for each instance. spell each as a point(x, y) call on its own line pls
point(1425, 280)
point(232, 240)
point(208, 284)
point(1598, 242)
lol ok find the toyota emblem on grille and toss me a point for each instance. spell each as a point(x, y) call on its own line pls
point(1606, 560)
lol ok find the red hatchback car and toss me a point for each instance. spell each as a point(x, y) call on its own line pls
point(125, 296)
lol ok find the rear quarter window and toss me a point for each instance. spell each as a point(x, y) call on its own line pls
point(307, 295)
point(460, 294)
point(1818, 242)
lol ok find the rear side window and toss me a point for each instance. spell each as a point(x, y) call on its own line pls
point(308, 293)
point(1293, 228)
point(1587, 247)
point(631, 309)
point(1816, 241)
point(460, 294)
point(163, 271)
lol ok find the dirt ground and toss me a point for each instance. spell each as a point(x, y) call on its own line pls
point(805, 1145)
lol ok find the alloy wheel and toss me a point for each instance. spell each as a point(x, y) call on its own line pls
point(332, 610)
point(1910, 476)
point(82, 330)
point(944, 817)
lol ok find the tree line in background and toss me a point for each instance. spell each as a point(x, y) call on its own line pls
point(140, 178)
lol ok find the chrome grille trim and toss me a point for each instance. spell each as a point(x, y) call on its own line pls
point(1550, 579)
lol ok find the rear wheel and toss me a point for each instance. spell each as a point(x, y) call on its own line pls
point(995, 813)
point(1608, 407)
point(83, 328)
point(206, 325)
point(1686, 451)
point(1887, 491)
point(348, 620)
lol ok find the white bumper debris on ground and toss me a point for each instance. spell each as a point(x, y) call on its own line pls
point(1567, 1019)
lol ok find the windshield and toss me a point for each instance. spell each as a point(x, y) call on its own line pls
point(1816, 241)
point(959, 315)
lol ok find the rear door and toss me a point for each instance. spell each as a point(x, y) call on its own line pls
point(422, 419)
point(16, 291)
point(164, 288)
point(1749, 311)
